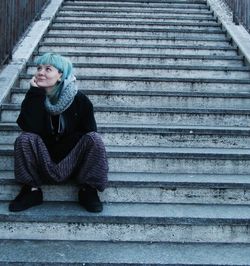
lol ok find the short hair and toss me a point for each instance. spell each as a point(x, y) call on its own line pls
point(63, 64)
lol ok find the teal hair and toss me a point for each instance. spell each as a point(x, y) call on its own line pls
point(61, 63)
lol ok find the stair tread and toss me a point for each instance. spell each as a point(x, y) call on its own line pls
point(148, 128)
point(157, 66)
point(143, 46)
point(148, 55)
point(161, 180)
point(228, 111)
point(122, 253)
point(155, 213)
point(154, 150)
point(155, 79)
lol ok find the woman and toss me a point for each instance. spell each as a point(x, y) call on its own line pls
point(59, 139)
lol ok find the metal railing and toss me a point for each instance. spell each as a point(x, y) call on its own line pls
point(241, 12)
point(15, 18)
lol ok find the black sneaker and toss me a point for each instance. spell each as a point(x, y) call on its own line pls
point(89, 199)
point(26, 199)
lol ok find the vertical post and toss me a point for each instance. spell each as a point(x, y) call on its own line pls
point(15, 17)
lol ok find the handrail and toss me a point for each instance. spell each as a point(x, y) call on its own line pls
point(15, 18)
point(241, 12)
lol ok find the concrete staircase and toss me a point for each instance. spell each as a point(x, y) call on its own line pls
point(172, 102)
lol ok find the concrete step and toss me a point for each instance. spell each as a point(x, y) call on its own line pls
point(145, 49)
point(158, 135)
point(148, 188)
point(102, 39)
point(192, 2)
point(138, 17)
point(151, 83)
point(139, 222)
point(137, 24)
point(122, 253)
point(164, 160)
point(125, 4)
point(163, 59)
point(171, 32)
point(141, 10)
point(136, 14)
point(167, 116)
point(156, 99)
point(171, 71)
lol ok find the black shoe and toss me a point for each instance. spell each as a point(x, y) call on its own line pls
point(89, 199)
point(26, 199)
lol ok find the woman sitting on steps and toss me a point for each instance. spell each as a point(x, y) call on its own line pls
point(59, 139)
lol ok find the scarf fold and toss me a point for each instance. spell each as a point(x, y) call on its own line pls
point(65, 97)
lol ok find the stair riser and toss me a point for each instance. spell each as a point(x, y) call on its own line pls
point(158, 101)
point(155, 86)
point(134, 33)
point(140, 10)
point(123, 14)
point(134, 41)
point(164, 140)
point(156, 72)
point(139, 194)
point(124, 232)
point(197, 51)
point(139, 18)
point(125, 4)
point(135, 26)
point(188, 165)
point(173, 119)
point(150, 60)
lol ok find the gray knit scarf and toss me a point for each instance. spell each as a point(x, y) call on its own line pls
point(66, 97)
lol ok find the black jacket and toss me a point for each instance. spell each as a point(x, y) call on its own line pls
point(79, 119)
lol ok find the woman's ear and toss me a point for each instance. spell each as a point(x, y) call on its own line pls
point(60, 76)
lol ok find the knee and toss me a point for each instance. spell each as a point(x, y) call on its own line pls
point(25, 137)
point(94, 137)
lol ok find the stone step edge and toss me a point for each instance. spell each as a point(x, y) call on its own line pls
point(157, 66)
point(16, 107)
point(150, 152)
point(113, 4)
point(142, 46)
point(130, 213)
point(156, 180)
point(154, 93)
point(148, 55)
point(131, 10)
point(128, 37)
point(143, 17)
point(77, 252)
point(157, 129)
point(194, 2)
point(156, 23)
point(154, 79)
point(219, 31)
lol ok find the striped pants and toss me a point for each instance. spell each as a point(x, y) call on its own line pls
point(87, 162)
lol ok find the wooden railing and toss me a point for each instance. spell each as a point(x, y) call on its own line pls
point(15, 18)
point(241, 12)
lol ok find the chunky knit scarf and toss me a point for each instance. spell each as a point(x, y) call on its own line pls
point(66, 97)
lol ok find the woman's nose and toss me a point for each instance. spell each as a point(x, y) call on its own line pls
point(40, 72)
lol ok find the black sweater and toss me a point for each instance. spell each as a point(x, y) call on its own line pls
point(79, 119)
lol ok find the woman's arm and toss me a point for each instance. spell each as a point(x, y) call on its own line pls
point(32, 114)
point(87, 121)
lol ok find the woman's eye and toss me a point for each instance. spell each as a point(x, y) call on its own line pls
point(48, 69)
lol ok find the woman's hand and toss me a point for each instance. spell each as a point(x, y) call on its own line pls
point(33, 82)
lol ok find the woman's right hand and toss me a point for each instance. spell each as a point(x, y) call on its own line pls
point(33, 82)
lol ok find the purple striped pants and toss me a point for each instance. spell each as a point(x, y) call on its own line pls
point(87, 162)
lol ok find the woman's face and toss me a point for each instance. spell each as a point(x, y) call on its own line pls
point(46, 76)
